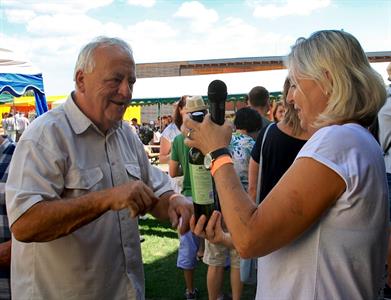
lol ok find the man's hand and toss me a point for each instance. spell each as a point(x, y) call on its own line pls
point(134, 195)
point(179, 212)
point(51, 219)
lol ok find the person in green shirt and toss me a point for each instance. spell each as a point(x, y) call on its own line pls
point(189, 245)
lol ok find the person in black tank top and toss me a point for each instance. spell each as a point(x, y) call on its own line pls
point(282, 143)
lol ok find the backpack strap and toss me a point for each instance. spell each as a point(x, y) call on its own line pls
point(260, 165)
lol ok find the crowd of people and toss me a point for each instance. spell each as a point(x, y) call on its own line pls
point(14, 124)
point(302, 184)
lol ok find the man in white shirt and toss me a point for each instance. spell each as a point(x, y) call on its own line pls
point(21, 124)
point(78, 181)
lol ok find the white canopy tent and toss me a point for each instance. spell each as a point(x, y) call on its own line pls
point(237, 83)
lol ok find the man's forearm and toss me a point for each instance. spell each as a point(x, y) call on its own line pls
point(5, 254)
point(51, 219)
point(160, 211)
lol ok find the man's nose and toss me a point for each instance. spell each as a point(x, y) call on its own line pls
point(126, 89)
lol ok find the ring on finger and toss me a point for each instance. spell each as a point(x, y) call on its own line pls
point(188, 135)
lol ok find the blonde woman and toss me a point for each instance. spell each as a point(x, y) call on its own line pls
point(321, 232)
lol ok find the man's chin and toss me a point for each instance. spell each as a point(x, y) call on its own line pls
point(116, 117)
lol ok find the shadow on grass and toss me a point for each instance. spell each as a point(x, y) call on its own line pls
point(163, 280)
point(153, 227)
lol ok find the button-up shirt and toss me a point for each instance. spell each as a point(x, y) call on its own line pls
point(7, 148)
point(62, 154)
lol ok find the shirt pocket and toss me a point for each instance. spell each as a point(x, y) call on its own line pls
point(133, 171)
point(79, 181)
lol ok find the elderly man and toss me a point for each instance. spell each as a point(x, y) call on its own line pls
point(78, 180)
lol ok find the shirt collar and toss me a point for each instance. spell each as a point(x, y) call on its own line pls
point(78, 120)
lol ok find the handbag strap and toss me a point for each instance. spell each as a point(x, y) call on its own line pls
point(260, 165)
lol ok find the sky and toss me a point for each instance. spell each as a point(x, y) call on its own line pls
point(51, 33)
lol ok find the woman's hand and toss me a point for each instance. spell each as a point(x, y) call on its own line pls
point(213, 232)
point(207, 136)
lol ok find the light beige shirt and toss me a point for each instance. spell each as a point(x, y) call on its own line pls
point(62, 154)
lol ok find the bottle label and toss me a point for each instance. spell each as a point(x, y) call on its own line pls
point(201, 184)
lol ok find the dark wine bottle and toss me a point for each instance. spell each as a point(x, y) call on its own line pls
point(201, 180)
point(217, 95)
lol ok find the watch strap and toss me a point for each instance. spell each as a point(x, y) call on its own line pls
point(221, 151)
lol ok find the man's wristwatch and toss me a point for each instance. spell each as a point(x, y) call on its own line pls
point(210, 157)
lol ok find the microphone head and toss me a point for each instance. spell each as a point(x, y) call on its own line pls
point(217, 91)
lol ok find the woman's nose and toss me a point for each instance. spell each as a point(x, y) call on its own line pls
point(289, 97)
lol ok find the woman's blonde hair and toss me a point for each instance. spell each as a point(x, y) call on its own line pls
point(291, 118)
point(337, 62)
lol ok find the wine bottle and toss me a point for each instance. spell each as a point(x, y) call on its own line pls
point(200, 178)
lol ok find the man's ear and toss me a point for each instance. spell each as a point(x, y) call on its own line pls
point(79, 80)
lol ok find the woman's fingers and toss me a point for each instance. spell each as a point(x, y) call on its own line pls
point(212, 229)
point(198, 227)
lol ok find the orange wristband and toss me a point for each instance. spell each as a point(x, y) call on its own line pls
point(220, 161)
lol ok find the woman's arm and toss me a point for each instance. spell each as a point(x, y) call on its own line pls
point(287, 211)
point(253, 170)
point(165, 149)
point(173, 168)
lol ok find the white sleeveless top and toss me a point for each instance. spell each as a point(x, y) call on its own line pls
point(342, 256)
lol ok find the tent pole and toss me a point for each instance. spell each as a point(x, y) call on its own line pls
point(160, 119)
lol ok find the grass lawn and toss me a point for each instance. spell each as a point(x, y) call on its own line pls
point(163, 280)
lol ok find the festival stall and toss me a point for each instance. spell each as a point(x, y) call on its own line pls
point(17, 76)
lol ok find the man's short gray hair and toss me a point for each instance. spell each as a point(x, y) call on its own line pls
point(85, 60)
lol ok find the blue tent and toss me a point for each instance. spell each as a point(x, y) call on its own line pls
point(17, 76)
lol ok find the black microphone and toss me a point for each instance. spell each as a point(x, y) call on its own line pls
point(217, 95)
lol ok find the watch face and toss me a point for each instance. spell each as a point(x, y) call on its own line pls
point(207, 161)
